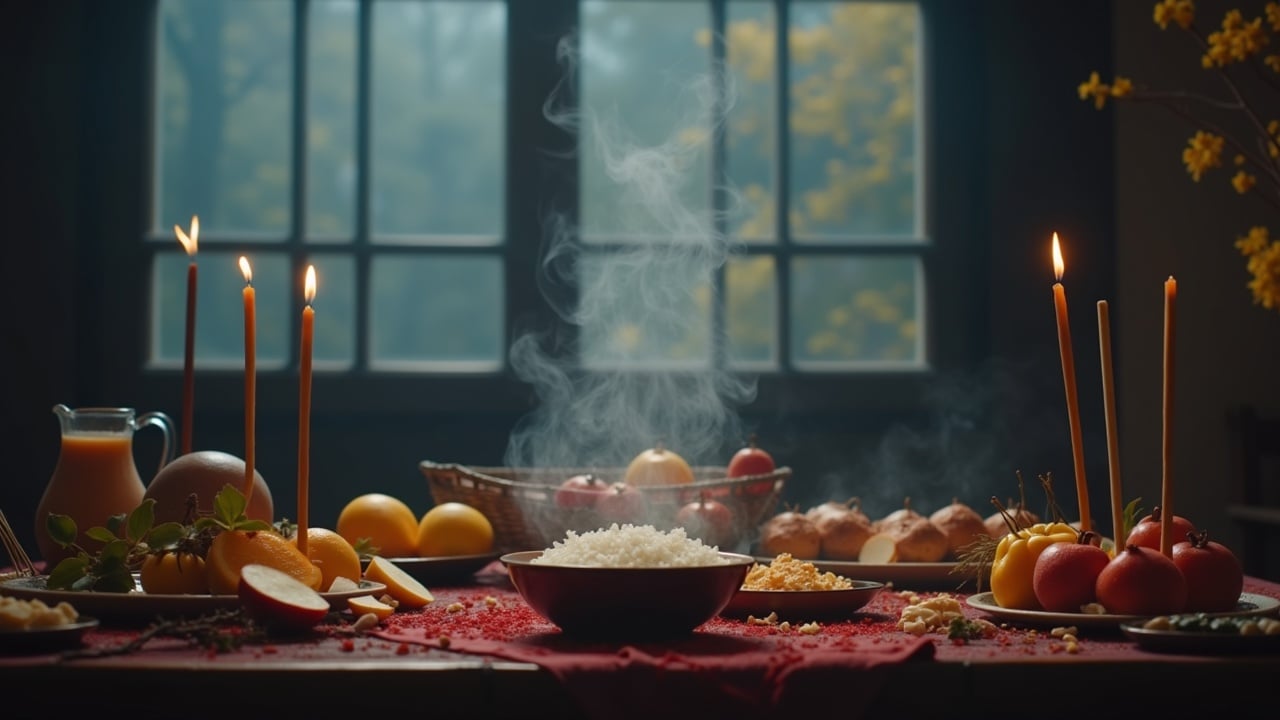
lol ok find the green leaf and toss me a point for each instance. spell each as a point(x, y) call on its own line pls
point(166, 534)
point(116, 524)
point(228, 504)
point(119, 580)
point(116, 551)
point(252, 525)
point(67, 573)
point(84, 583)
point(207, 523)
point(1132, 514)
point(141, 520)
point(100, 534)
point(61, 528)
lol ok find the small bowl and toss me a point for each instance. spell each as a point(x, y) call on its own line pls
point(626, 603)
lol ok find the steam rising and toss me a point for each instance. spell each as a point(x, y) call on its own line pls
point(603, 416)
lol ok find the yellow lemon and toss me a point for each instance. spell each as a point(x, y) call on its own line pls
point(454, 528)
point(400, 585)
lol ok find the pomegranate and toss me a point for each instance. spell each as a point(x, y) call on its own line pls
point(1066, 574)
point(1141, 581)
point(1213, 573)
point(580, 491)
point(623, 503)
point(709, 520)
point(750, 460)
point(1147, 532)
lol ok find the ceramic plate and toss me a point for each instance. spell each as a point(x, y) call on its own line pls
point(914, 576)
point(46, 639)
point(1250, 604)
point(1183, 641)
point(442, 570)
point(801, 606)
point(145, 607)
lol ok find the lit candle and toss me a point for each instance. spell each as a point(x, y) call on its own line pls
point(189, 342)
point(250, 375)
point(1113, 435)
point(304, 404)
point(1069, 380)
point(1166, 440)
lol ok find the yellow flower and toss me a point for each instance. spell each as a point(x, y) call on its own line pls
point(1238, 160)
point(1096, 89)
point(1235, 42)
point(1273, 15)
point(1122, 87)
point(1257, 239)
point(1243, 182)
point(1273, 62)
point(1264, 265)
point(1203, 151)
point(1182, 12)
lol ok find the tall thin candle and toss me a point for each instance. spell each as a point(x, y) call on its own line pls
point(304, 404)
point(189, 243)
point(1166, 435)
point(1069, 381)
point(1113, 434)
point(250, 375)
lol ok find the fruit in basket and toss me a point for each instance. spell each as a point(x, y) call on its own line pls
point(204, 473)
point(333, 554)
point(1141, 581)
point(383, 522)
point(843, 531)
point(961, 524)
point(1066, 574)
point(750, 460)
point(791, 532)
point(279, 600)
point(917, 539)
point(707, 519)
point(580, 491)
point(658, 466)
point(1147, 531)
point(624, 503)
point(400, 585)
point(454, 528)
point(1213, 573)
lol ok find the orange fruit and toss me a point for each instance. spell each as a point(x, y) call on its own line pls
point(454, 528)
point(331, 552)
point(174, 574)
point(658, 466)
point(400, 585)
point(233, 549)
point(386, 522)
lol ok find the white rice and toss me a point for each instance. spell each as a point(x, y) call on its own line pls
point(630, 546)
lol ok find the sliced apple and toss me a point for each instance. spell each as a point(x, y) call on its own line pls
point(400, 585)
point(879, 549)
point(279, 600)
point(369, 604)
point(343, 584)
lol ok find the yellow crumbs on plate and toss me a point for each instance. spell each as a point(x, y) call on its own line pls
point(787, 573)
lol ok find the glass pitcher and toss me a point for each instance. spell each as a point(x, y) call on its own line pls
point(95, 477)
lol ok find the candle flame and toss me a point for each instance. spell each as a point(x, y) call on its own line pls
point(189, 241)
point(245, 270)
point(1058, 265)
point(309, 289)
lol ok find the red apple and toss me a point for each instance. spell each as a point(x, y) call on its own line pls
point(1066, 574)
point(1141, 581)
point(279, 600)
point(580, 491)
point(1214, 575)
point(1147, 532)
point(707, 519)
point(750, 460)
point(623, 503)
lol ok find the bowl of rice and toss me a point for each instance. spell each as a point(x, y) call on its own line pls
point(627, 581)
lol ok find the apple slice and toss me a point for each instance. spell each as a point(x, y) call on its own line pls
point(400, 585)
point(279, 600)
point(369, 604)
point(879, 549)
point(343, 584)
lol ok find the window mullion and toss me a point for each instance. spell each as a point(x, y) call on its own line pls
point(782, 184)
point(719, 181)
point(298, 210)
point(364, 72)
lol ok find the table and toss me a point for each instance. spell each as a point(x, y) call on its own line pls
point(404, 672)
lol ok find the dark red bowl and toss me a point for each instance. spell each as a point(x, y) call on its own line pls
point(626, 603)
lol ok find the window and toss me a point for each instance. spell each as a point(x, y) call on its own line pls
point(743, 186)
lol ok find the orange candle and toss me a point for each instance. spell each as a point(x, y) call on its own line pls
point(1166, 440)
point(1069, 380)
point(304, 404)
point(1113, 434)
point(189, 342)
point(250, 374)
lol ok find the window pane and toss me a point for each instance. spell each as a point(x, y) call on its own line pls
point(854, 155)
point(439, 97)
point(434, 311)
point(335, 307)
point(848, 311)
point(220, 309)
point(646, 94)
point(640, 309)
point(331, 123)
point(751, 296)
point(223, 148)
point(750, 132)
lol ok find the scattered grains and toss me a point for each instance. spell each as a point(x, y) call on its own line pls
point(630, 546)
point(18, 614)
point(1060, 631)
point(1093, 609)
point(811, 628)
point(787, 573)
point(931, 615)
point(366, 622)
point(456, 607)
point(490, 600)
point(770, 619)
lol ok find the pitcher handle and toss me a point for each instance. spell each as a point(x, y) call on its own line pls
point(165, 423)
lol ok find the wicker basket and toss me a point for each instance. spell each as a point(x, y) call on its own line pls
point(520, 502)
